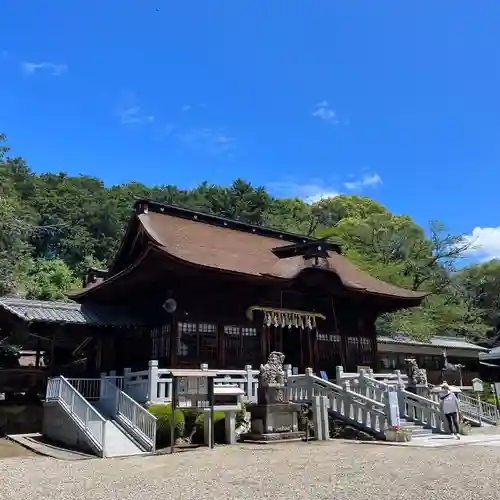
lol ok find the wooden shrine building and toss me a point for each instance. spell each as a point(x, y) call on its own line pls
point(222, 292)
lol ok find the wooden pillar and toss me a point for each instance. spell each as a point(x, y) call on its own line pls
point(52, 351)
point(301, 343)
point(174, 343)
point(310, 350)
point(264, 342)
point(38, 348)
point(221, 351)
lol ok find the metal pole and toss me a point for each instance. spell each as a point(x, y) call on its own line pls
point(495, 393)
point(172, 417)
point(211, 394)
point(479, 408)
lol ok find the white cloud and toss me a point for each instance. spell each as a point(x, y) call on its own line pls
point(325, 113)
point(368, 180)
point(53, 69)
point(213, 141)
point(311, 192)
point(485, 243)
point(134, 115)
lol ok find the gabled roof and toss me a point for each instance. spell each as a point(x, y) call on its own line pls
point(235, 247)
point(492, 354)
point(436, 341)
point(40, 311)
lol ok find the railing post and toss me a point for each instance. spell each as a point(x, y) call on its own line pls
point(325, 424)
point(309, 386)
point(317, 422)
point(363, 386)
point(339, 374)
point(126, 379)
point(204, 367)
point(102, 386)
point(401, 395)
point(152, 381)
point(103, 439)
point(249, 383)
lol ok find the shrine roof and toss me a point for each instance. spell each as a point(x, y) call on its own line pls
point(436, 341)
point(40, 311)
point(235, 247)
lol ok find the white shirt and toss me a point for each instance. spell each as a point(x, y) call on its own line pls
point(450, 402)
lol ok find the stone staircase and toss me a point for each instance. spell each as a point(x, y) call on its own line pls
point(417, 431)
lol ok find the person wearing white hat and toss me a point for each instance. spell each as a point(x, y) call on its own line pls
point(450, 407)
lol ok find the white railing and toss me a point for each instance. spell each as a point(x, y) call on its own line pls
point(394, 378)
point(477, 410)
point(352, 407)
point(90, 421)
point(135, 419)
point(89, 388)
point(420, 410)
point(154, 385)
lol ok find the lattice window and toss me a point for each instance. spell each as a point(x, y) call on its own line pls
point(160, 342)
point(365, 350)
point(328, 337)
point(241, 344)
point(197, 341)
point(329, 350)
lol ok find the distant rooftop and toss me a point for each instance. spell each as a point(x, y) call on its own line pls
point(436, 341)
point(41, 311)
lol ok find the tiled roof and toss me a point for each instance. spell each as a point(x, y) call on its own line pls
point(234, 247)
point(491, 354)
point(437, 341)
point(39, 311)
point(238, 251)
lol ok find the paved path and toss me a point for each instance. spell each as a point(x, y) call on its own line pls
point(332, 470)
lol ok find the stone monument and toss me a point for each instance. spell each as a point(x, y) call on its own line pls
point(273, 418)
point(417, 378)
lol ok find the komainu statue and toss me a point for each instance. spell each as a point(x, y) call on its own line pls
point(272, 380)
point(417, 376)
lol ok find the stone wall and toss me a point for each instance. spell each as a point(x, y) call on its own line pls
point(20, 418)
point(58, 427)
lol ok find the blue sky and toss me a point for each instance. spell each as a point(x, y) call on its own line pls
point(395, 100)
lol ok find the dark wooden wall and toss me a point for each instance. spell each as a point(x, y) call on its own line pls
point(210, 324)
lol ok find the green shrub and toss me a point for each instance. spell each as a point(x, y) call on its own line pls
point(163, 413)
point(219, 429)
point(240, 416)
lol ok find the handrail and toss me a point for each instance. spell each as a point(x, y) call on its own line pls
point(138, 421)
point(477, 409)
point(83, 413)
point(421, 399)
point(338, 388)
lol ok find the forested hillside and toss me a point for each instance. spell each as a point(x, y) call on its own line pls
point(54, 226)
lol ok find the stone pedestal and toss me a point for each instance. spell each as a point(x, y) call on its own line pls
point(273, 418)
point(274, 422)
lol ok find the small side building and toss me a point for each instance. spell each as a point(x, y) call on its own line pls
point(429, 355)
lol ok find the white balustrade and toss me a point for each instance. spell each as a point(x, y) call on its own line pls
point(347, 405)
point(154, 385)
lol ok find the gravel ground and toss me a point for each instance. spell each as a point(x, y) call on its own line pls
point(9, 449)
point(334, 470)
